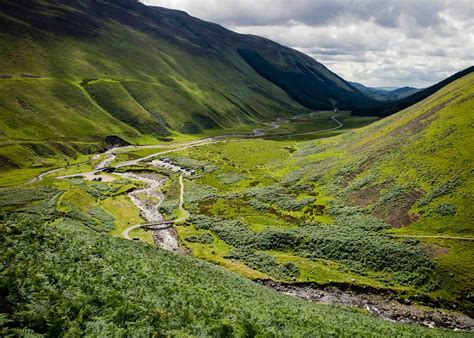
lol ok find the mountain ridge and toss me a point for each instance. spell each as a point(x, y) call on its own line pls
point(80, 40)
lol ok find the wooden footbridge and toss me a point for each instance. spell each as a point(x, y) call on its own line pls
point(154, 226)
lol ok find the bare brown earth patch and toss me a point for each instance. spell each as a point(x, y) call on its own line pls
point(410, 128)
point(396, 213)
point(435, 250)
point(366, 196)
point(420, 122)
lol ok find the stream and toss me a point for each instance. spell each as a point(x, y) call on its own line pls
point(381, 303)
point(165, 238)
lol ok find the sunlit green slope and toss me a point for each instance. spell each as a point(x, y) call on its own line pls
point(82, 69)
point(414, 170)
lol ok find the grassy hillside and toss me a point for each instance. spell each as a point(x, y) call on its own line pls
point(85, 69)
point(351, 209)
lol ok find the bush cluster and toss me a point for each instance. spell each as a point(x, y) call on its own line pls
point(357, 240)
point(15, 197)
point(96, 219)
point(265, 263)
point(229, 177)
point(446, 209)
point(441, 190)
point(278, 195)
point(200, 238)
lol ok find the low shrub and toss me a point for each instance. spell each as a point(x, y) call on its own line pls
point(201, 238)
point(446, 209)
point(265, 263)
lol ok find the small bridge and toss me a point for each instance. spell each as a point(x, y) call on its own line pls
point(157, 225)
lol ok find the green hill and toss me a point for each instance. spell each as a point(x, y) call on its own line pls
point(63, 274)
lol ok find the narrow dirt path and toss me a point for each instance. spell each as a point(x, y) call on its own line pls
point(471, 239)
point(126, 232)
point(184, 213)
point(261, 131)
point(41, 176)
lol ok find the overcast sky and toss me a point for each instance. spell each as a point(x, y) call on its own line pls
point(376, 42)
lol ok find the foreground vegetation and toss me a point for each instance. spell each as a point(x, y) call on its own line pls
point(104, 286)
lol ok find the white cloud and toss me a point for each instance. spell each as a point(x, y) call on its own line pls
point(375, 42)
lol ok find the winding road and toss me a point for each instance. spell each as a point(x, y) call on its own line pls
point(166, 238)
point(257, 133)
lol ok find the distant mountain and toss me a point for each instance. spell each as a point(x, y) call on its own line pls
point(401, 93)
point(385, 89)
point(387, 108)
point(385, 93)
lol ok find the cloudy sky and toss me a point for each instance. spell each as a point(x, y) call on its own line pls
point(376, 42)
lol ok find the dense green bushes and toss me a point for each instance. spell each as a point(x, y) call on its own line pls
point(229, 177)
point(14, 197)
point(200, 238)
point(357, 240)
point(265, 263)
point(441, 190)
point(278, 195)
point(363, 250)
point(67, 280)
point(446, 209)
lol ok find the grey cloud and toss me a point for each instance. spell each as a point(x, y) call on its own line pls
point(376, 42)
point(269, 12)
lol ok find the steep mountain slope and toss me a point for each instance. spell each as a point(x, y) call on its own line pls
point(413, 170)
point(154, 69)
